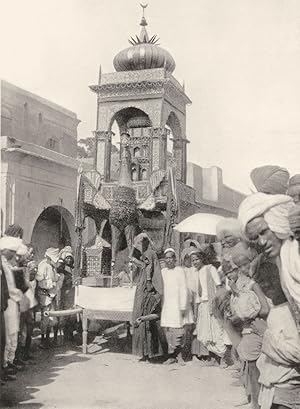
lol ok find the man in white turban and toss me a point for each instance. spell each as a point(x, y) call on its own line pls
point(48, 285)
point(266, 219)
point(228, 232)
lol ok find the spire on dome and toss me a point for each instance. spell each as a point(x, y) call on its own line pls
point(143, 38)
point(144, 53)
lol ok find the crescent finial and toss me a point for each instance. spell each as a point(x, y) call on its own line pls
point(144, 6)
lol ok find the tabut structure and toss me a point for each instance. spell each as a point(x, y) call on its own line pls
point(149, 107)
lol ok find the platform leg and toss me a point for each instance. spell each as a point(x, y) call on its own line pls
point(84, 333)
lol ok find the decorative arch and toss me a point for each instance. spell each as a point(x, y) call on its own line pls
point(54, 227)
point(134, 174)
point(130, 116)
point(176, 141)
point(174, 124)
point(144, 174)
point(137, 152)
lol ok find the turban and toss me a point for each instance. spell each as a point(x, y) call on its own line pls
point(201, 250)
point(295, 180)
point(10, 243)
point(53, 254)
point(32, 265)
point(294, 219)
point(274, 208)
point(65, 252)
point(191, 243)
point(242, 252)
point(270, 179)
point(228, 224)
point(170, 250)
point(294, 185)
point(22, 250)
point(186, 252)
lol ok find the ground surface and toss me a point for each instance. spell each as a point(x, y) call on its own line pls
point(109, 377)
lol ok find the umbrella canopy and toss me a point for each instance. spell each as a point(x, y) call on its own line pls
point(201, 223)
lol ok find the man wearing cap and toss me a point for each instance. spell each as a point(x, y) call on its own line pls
point(174, 305)
point(9, 246)
point(48, 285)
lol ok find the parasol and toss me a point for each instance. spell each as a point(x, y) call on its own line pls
point(201, 223)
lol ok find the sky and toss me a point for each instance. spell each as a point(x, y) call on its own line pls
point(239, 59)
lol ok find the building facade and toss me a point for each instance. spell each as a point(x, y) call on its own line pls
point(38, 168)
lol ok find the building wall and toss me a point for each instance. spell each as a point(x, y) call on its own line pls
point(210, 191)
point(37, 175)
point(31, 185)
point(30, 118)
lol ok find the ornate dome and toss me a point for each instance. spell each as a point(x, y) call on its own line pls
point(144, 53)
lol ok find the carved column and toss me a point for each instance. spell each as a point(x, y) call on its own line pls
point(184, 159)
point(178, 157)
point(103, 153)
point(159, 148)
point(179, 152)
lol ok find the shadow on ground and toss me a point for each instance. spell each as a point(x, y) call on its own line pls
point(42, 371)
point(112, 339)
point(46, 364)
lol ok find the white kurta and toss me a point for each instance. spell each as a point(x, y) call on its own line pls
point(11, 314)
point(192, 281)
point(209, 330)
point(175, 297)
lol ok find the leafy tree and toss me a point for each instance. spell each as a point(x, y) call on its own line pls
point(86, 147)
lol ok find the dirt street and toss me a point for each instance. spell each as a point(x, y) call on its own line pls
point(109, 377)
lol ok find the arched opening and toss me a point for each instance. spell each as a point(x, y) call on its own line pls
point(137, 123)
point(144, 174)
point(115, 152)
point(136, 152)
point(174, 124)
point(52, 229)
point(169, 145)
point(174, 133)
point(134, 175)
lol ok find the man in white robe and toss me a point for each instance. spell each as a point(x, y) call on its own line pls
point(174, 305)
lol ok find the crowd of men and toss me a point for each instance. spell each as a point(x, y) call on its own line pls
point(239, 307)
point(235, 307)
point(28, 287)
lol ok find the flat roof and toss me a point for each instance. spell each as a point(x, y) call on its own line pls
point(40, 99)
